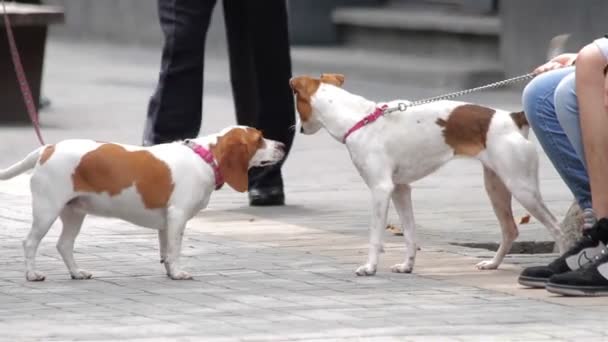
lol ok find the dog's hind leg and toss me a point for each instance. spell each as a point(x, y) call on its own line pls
point(402, 199)
point(515, 161)
point(72, 221)
point(500, 197)
point(45, 212)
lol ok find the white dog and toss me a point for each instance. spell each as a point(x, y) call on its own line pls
point(159, 187)
point(391, 151)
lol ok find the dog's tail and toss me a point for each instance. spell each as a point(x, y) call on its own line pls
point(520, 119)
point(20, 167)
point(522, 122)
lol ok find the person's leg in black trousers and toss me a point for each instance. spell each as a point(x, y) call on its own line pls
point(260, 68)
point(174, 111)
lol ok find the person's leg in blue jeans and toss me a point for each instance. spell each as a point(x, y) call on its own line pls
point(539, 101)
point(551, 106)
point(566, 109)
point(591, 91)
point(567, 112)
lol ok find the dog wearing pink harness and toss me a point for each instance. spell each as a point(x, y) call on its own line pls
point(391, 151)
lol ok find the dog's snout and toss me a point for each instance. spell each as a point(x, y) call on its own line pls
point(301, 129)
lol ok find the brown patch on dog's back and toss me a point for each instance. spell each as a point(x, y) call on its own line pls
point(46, 154)
point(110, 168)
point(520, 119)
point(466, 128)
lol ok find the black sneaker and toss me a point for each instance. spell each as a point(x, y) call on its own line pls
point(589, 280)
point(590, 245)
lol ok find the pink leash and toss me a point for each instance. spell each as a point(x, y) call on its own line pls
point(25, 88)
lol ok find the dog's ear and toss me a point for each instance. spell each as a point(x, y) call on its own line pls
point(335, 79)
point(233, 160)
point(304, 85)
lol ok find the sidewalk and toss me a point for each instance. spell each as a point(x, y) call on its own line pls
point(276, 273)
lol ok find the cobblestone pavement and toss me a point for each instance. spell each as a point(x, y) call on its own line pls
point(268, 274)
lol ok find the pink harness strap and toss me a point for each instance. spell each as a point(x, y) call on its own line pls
point(207, 156)
point(366, 120)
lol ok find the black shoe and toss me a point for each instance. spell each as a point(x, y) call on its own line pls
point(589, 280)
point(266, 196)
point(588, 247)
point(266, 186)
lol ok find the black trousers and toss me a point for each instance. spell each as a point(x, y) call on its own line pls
point(260, 69)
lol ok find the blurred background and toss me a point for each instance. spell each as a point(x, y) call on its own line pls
point(443, 45)
point(484, 37)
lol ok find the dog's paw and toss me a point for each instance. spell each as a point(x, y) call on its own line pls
point(366, 270)
point(81, 274)
point(487, 265)
point(180, 275)
point(402, 268)
point(34, 276)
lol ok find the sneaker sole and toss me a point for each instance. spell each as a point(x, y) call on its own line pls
point(537, 283)
point(569, 290)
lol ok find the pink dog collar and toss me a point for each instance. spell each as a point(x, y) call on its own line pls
point(366, 120)
point(207, 156)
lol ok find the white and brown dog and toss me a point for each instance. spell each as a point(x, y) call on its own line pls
point(392, 151)
point(159, 187)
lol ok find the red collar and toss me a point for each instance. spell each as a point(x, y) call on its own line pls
point(207, 156)
point(366, 120)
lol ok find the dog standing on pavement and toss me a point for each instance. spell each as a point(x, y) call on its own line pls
point(159, 187)
point(392, 151)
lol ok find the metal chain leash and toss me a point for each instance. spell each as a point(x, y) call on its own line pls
point(404, 106)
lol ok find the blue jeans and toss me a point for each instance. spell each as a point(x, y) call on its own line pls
point(551, 106)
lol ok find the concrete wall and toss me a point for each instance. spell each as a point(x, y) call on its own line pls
point(136, 21)
point(125, 21)
point(310, 21)
point(528, 25)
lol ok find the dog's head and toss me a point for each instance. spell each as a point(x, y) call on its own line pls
point(306, 90)
point(240, 148)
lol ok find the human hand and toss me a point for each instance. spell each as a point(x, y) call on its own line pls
point(561, 61)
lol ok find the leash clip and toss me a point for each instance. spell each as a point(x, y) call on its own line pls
point(189, 143)
point(402, 107)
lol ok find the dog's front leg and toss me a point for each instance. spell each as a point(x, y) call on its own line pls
point(162, 244)
point(402, 199)
point(176, 223)
point(380, 198)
